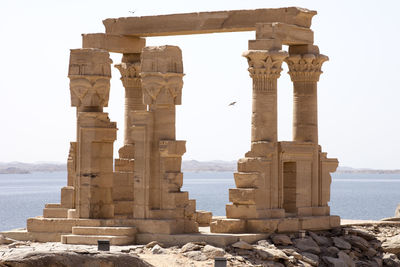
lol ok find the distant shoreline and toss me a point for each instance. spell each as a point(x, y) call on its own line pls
point(187, 166)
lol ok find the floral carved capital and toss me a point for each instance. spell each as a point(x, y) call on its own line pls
point(305, 67)
point(130, 74)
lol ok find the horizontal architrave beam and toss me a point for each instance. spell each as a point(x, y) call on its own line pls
point(113, 43)
point(207, 22)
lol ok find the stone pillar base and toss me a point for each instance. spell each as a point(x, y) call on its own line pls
point(282, 225)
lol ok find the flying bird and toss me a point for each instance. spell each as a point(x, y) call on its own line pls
point(133, 12)
point(233, 103)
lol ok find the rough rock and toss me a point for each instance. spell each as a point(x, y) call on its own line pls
point(334, 262)
point(370, 253)
point(358, 242)
point(157, 250)
point(195, 255)
point(390, 259)
point(361, 233)
point(190, 247)
point(307, 245)
point(321, 240)
point(72, 259)
point(5, 241)
point(310, 258)
point(340, 243)
point(292, 252)
point(392, 244)
point(346, 258)
point(270, 253)
point(211, 252)
point(281, 239)
point(242, 245)
point(153, 243)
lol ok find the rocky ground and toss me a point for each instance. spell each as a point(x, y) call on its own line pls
point(371, 245)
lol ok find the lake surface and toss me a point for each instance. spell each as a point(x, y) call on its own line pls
point(353, 196)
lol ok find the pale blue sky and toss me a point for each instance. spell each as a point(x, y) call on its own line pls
point(359, 111)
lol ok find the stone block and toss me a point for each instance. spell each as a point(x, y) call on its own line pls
point(246, 179)
point(321, 211)
point(303, 211)
point(92, 239)
point(265, 44)
point(244, 212)
point(190, 226)
point(190, 208)
point(203, 218)
point(124, 165)
point(246, 196)
point(262, 225)
point(228, 226)
point(172, 148)
point(52, 205)
point(55, 213)
point(289, 34)
point(68, 197)
point(174, 180)
point(287, 225)
point(113, 43)
point(319, 222)
point(159, 226)
point(123, 207)
point(109, 231)
point(303, 49)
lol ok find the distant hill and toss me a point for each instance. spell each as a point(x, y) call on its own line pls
point(21, 167)
point(187, 166)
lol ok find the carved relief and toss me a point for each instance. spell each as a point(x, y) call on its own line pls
point(89, 73)
point(305, 67)
point(89, 91)
point(130, 74)
point(264, 68)
point(162, 88)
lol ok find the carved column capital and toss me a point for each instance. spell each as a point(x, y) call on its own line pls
point(161, 75)
point(89, 74)
point(306, 67)
point(264, 67)
point(264, 63)
point(130, 74)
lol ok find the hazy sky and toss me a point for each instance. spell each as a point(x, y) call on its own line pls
point(359, 92)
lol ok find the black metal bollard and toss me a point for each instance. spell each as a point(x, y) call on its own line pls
point(220, 262)
point(103, 245)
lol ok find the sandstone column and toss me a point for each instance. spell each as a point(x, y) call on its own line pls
point(130, 69)
point(304, 69)
point(264, 68)
point(90, 73)
point(162, 73)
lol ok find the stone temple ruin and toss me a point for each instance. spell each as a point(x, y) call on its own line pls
point(280, 186)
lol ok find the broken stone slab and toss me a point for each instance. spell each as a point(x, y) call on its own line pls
point(270, 253)
point(346, 258)
point(191, 247)
point(281, 239)
point(242, 245)
point(321, 240)
point(211, 252)
point(288, 34)
point(310, 258)
point(334, 262)
point(358, 242)
point(307, 245)
point(340, 243)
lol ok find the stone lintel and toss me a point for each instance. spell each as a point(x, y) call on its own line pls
point(207, 22)
point(113, 43)
point(288, 34)
point(265, 44)
point(303, 49)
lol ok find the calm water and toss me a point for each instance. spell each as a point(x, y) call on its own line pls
point(353, 196)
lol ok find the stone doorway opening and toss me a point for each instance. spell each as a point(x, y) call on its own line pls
point(289, 188)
